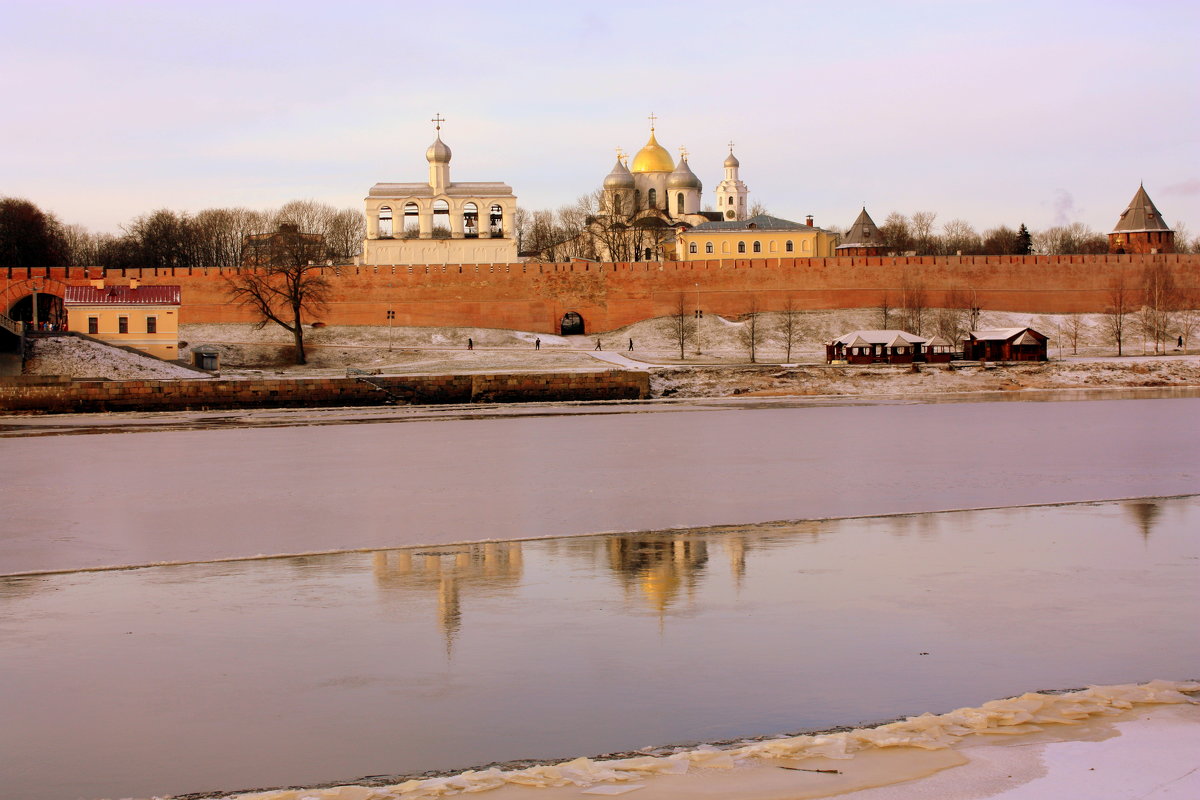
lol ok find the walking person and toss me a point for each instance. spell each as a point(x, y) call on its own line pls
point(470, 343)
point(598, 347)
point(631, 345)
point(537, 344)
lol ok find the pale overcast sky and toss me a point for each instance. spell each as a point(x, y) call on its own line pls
point(995, 112)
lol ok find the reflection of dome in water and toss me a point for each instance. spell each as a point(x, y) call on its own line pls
point(653, 158)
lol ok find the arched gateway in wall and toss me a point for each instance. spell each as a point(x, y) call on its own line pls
point(572, 324)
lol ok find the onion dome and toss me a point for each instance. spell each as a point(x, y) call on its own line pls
point(438, 152)
point(619, 178)
point(731, 160)
point(683, 177)
point(653, 157)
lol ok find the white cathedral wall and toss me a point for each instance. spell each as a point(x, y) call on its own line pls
point(388, 252)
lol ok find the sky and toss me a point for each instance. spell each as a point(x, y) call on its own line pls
point(993, 112)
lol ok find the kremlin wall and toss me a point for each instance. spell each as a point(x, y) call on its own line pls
point(534, 296)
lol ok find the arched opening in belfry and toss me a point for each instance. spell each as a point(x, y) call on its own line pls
point(412, 221)
point(679, 203)
point(652, 198)
point(441, 219)
point(49, 311)
point(471, 221)
point(616, 204)
point(385, 222)
point(496, 221)
point(572, 324)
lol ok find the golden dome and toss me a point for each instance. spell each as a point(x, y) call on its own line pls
point(653, 158)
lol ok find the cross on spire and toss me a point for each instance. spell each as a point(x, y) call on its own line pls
point(438, 119)
point(620, 154)
point(652, 118)
point(683, 153)
point(731, 145)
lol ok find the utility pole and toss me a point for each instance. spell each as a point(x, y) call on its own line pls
point(391, 315)
point(698, 318)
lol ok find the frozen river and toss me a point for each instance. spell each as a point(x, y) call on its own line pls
point(77, 501)
point(456, 652)
point(327, 668)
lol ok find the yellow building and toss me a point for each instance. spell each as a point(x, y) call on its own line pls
point(145, 318)
point(758, 237)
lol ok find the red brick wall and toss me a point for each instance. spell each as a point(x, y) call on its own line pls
point(49, 396)
point(535, 296)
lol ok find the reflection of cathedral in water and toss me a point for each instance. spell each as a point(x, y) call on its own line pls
point(477, 570)
point(662, 567)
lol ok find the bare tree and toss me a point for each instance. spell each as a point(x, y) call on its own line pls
point(913, 303)
point(1187, 318)
point(287, 287)
point(790, 325)
point(752, 330)
point(757, 209)
point(1160, 299)
point(960, 238)
point(1073, 328)
point(679, 324)
point(922, 230)
point(1117, 311)
point(897, 233)
point(885, 311)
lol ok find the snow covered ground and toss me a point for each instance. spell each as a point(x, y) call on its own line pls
point(83, 358)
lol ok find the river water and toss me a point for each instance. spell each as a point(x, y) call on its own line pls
point(322, 668)
point(94, 500)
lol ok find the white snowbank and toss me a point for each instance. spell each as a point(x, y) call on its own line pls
point(1017, 715)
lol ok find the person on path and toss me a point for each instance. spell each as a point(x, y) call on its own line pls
point(631, 345)
point(598, 347)
point(470, 343)
point(537, 344)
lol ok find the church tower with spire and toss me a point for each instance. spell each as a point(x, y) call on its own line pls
point(732, 194)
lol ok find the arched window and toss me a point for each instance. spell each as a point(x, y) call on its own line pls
point(773, 246)
point(724, 247)
point(679, 203)
point(496, 221)
point(637, 199)
point(741, 247)
point(758, 247)
point(692, 247)
point(652, 198)
point(647, 253)
point(412, 221)
point(806, 244)
point(470, 220)
point(441, 219)
point(616, 203)
point(730, 201)
point(708, 247)
point(385, 222)
point(787, 246)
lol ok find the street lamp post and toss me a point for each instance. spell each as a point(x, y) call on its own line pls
point(698, 318)
point(391, 315)
point(35, 288)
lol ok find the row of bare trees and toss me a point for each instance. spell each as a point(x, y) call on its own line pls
point(1153, 307)
point(214, 237)
point(682, 325)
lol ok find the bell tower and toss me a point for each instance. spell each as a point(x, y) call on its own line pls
point(732, 194)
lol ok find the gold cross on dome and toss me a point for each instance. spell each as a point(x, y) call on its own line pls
point(438, 119)
point(652, 118)
point(731, 145)
point(620, 154)
point(683, 153)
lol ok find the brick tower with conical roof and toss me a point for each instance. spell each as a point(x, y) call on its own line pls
point(1141, 228)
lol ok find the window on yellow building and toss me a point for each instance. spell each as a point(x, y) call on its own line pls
point(741, 247)
point(773, 246)
point(708, 247)
point(758, 247)
point(93, 325)
point(787, 246)
point(151, 324)
point(692, 247)
point(122, 324)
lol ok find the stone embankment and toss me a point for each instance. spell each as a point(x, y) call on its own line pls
point(61, 395)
